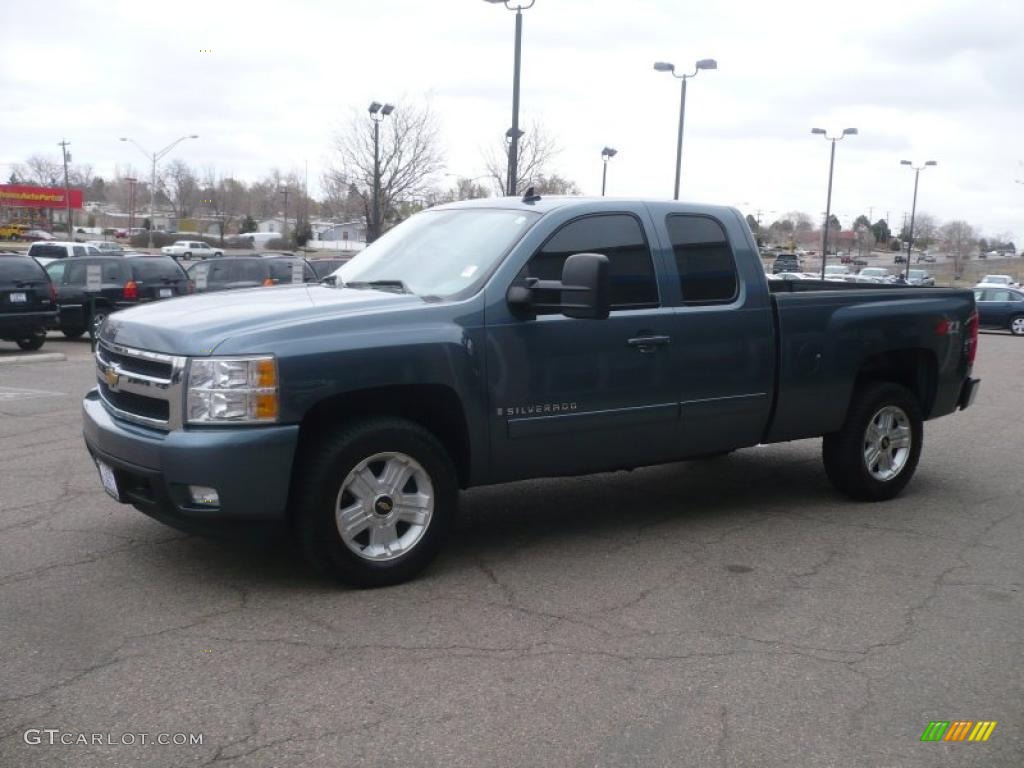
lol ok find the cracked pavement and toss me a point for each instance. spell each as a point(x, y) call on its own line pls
point(727, 613)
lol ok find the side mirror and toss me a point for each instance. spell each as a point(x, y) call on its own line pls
point(331, 280)
point(583, 290)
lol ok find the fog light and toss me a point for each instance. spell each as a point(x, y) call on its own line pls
point(206, 497)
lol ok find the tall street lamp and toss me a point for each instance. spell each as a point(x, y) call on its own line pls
point(155, 157)
point(606, 154)
point(664, 66)
point(64, 144)
point(913, 208)
point(515, 133)
point(131, 203)
point(828, 203)
point(378, 112)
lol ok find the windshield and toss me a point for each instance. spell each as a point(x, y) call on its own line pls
point(438, 253)
point(997, 279)
point(836, 270)
point(873, 272)
point(917, 273)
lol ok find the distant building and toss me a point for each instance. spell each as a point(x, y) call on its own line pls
point(349, 230)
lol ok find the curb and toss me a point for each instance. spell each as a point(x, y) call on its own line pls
point(42, 357)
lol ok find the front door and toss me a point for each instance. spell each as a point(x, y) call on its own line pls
point(569, 395)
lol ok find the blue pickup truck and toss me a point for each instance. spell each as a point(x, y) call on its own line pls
point(490, 341)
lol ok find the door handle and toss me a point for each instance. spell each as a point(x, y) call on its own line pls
point(648, 343)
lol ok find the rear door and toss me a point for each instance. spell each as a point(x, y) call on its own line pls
point(722, 333)
point(24, 286)
point(248, 273)
point(158, 278)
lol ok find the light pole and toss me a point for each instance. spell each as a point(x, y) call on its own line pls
point(131, 204)
point(156, 157)
point(378, 112)
point(606, 154)
point(828, 203)
point(64, 144)
point(664, 66)
point(913, 207)
point(513, 147)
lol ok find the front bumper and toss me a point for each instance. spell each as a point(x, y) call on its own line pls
point(249, 467)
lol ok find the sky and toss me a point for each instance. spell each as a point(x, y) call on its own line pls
point(268, 84)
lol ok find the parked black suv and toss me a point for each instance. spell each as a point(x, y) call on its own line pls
point(233, 272)
point(324, 267)
point(786, 262)
point(124, 282)
point(26, 301)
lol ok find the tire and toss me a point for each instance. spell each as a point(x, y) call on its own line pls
point(217, 254)
point(1016, 325)
point(33, 342)
point(845, 452)
point(73, 333)
point(362, 453)
point(187, 256)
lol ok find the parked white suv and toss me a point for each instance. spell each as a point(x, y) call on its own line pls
point(189, 249)
point(998, 281)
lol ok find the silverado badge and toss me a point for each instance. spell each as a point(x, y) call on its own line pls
point(112, 377)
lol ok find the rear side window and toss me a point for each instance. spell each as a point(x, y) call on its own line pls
point(80, 250)
point(76, 271)
point(251, 270)
point(217, 272)
point(998, 295)
point(55, 270)
point(48, 251)
point(281, 270)
point(617, 236)
point(707, 269)
point(156, 270)
point(112, 271)
point(20, 268)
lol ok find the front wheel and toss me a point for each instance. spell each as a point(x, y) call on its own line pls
point(186, 256)
point(875, 454)
point(1017, 325)
point(374, 501)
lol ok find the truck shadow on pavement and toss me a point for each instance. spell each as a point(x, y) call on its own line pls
point(686, 498)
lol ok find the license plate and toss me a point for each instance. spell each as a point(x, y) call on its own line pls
point(165, 293)
point(109, 481)
point(18, 298)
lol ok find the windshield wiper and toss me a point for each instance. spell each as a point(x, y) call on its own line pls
point(383, 285)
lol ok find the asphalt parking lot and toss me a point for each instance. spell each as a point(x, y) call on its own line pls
point(726, 613)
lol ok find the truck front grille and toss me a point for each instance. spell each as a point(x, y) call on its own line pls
point(140, 386)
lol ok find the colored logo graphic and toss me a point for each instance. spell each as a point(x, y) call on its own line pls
point(958, 730)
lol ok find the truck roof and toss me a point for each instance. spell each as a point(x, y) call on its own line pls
point(546, 203)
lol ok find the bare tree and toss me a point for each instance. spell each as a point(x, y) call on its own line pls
point(42, 170)
point(958, 238)
point(554, 185)
point(182, 186)
point(537, 150)
point(410, 157)
point(926, 228)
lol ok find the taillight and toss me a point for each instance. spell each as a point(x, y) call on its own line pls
point(191, 287)
point(268, 282)
point(131, 290)
point(972, 336)
point(53, 294)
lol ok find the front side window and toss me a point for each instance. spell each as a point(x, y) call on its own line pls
point(251, 271)
point(707, 268)
point(1000, 295)
point(80, 250)
point(56, 271)
point(617, 236)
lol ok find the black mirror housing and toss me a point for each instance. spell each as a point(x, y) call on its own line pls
point(585, 291)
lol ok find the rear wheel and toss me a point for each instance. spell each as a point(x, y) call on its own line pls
point(1017, 325)
point(187, 256)
point(374, 502)
point(33, 342)
point(875, 454)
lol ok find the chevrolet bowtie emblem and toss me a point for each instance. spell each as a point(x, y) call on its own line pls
point(112, 378)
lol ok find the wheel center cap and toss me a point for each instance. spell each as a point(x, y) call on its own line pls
point(885, 443)
point(383, 505)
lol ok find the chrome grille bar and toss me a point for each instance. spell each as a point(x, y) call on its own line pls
point(118, 376)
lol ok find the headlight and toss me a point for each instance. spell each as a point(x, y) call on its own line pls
point(232, 390)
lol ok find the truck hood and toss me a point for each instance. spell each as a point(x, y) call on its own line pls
point(197, 325)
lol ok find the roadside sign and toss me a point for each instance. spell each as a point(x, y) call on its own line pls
point(297, 272)
point(200, 276)
point(93, 279)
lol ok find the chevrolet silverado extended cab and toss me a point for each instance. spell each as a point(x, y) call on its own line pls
point(495, 340)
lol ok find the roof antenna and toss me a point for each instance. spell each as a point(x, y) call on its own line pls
point(530, 196)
